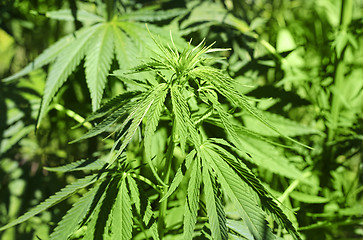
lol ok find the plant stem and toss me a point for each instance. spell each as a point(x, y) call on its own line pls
point(110, 6)
point(340, 69)
point(345, 19)
point(164, 204)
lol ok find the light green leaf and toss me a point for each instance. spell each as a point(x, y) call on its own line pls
point(285, 41)
point(126, 51)
point(49, 54)
point(307, 198)
point(244, 174)
point(74, 216)
point(288, 127)
point(223, 115)
point(54, 199)
point(124, 101)
point(149, 216)
point(80, 165)
point(107, 122)
point(98, 62)
point(267, 156)
point(216, 215)
point(141, 37)
point(152, 121)
point(66, 14)
point(225, 85)
point(121, 215)
point(184, 127)
point(240, 228)
point(151, 15)
point(95, 220)
point(241, 195)
point(179, 174)
point(135, 193)
point(66, 62)
point(192, 201)
point(136, 116)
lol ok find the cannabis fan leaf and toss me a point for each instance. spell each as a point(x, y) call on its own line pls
point(98, 43)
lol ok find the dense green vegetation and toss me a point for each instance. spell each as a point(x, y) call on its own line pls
point(181, 119)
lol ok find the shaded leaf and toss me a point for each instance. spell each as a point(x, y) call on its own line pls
point(74, 216)
point(216, 215)
point(191, 204)
point(54, 199)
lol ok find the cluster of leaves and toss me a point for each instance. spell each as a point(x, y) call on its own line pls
point(185, 154)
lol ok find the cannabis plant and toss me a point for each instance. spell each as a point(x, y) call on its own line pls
point(169, 114)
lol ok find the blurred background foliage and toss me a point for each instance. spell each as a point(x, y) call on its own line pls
point(303, 60)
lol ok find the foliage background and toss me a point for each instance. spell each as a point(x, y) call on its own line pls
point(288, 54)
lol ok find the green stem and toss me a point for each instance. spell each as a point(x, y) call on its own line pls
point(164, 204)
point(78, 118)
point(340, 69)
point(110, 6)
point(345, 19)
point(243, 27)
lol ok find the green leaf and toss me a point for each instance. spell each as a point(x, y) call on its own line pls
point(121, 215)
point(149, 219)
point(136, 116)
point(214, 13)
point(80, 165)
point(240, 228)
point(240, 193)
point(180, 174)
point(135, 193)
point(267, 202)
point(13, 134)
point(66, 15)
point(216, 215)
point(152, 121)
point(307, 198)
point(114, 103)
point(183, 125)
point(126, 51)
point(223, 115)
point(98, 62)
point(288, 127)
point(141, 37)
point(225, 85)
point(55, 199)
point(95, 221)
point(107, 122)
point(49, 54)
point(191, 205)
point(66, 62)
point(267, 156)
point(285, 41)
point(151, 15)
point(74, 216)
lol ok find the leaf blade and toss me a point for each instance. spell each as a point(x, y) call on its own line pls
point(98, 62)
point(54, 199)
point(240, 194)
point(216, 215)
point(62, 68)
point(74, 216)
point(192, 201)
point(121, 216)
